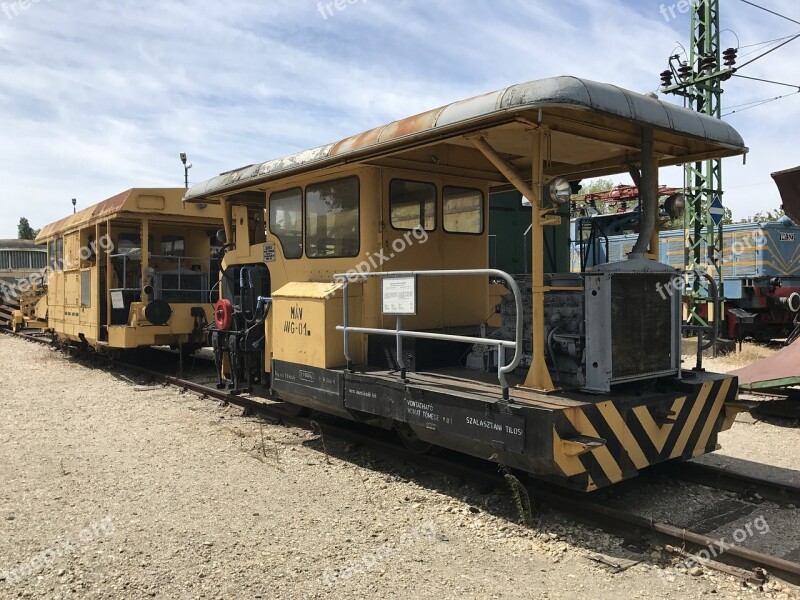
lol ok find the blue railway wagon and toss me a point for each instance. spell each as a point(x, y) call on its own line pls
point(761, 270)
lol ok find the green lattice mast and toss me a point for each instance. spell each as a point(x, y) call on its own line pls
point(700, 83)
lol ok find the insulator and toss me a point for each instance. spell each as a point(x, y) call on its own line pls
point(666, 78)
point(685, 71)
point(729, 56)
point(708, 63)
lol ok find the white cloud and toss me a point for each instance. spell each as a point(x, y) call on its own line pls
point(98, 96)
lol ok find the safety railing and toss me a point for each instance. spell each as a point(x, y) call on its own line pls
point(171, 280)
point(399, 333)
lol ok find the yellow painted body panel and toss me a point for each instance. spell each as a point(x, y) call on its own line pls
point(140, 333)
point(82, 275)
point(443, 303)
point(634, 439)
point(304, 320)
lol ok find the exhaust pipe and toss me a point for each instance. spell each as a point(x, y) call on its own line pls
point(648, 199)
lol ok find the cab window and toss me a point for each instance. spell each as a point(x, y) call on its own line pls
point(332, 218)
point(131, 243)
point(173, 245)
point(412, 204)
point(286, 221)
point(462, 210)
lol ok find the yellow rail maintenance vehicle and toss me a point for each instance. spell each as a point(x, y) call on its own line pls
point(18, 259)
point(134, 270)
point(366, 293)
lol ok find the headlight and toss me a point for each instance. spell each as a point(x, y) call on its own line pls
point(559, 190)
point(675, 205)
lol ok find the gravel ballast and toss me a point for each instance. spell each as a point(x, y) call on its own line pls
point(112, 488)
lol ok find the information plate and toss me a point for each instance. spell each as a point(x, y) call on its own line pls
point(117, 301)
point(269, 253)
point(399, 295)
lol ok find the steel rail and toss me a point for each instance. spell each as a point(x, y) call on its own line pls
point(732, 481)
point(565, 501)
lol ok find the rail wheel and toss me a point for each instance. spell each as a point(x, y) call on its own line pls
point(294, 410)
point(411, 440)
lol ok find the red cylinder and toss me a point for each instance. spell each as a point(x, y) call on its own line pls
point(223, 314)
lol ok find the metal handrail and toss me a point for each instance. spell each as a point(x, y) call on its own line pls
point(179, 270)
point(399, 333)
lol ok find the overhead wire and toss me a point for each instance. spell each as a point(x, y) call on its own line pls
point(757, 103)
point(763, 44)
point(777, 14)
point(782, 41)
point(767, 81)
point(770, 51)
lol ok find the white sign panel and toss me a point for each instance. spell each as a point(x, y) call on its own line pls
point(116, 300)
point(399, 295)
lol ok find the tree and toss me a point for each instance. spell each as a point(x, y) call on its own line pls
point(25, 231)
point(765, 216)
point(596, 185)
point(680, 224)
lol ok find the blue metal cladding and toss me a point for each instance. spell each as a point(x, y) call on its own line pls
point(751, 251)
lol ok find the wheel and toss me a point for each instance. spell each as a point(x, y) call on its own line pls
point(411, 440)
point(294, 410)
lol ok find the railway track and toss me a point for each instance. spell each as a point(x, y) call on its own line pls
point(748, 565)
point(780, 404)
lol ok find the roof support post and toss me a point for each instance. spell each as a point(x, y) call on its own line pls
point(538, 376)
point(507, 169)
point(94, 275)
point(226, 220)
point(109, 274)
point(145, 253)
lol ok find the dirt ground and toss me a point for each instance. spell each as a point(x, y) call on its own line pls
point(116, 489)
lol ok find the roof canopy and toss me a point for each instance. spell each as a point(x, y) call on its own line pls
point(596, 130)
point(154, 201)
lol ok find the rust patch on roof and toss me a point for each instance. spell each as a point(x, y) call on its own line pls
point(411, 125)
point(106, 207)
point(362, 140)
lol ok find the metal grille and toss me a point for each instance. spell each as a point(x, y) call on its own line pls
point(641, 325)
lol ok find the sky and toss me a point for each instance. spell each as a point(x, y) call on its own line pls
point(98, 96)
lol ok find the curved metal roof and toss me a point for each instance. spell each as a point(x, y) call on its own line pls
point(127, 201)
point(14, 244)
point(480, 111)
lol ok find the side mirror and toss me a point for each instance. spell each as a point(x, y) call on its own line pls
point(221, 237)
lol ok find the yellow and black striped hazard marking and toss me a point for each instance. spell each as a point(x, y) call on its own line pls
point(609, 444)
